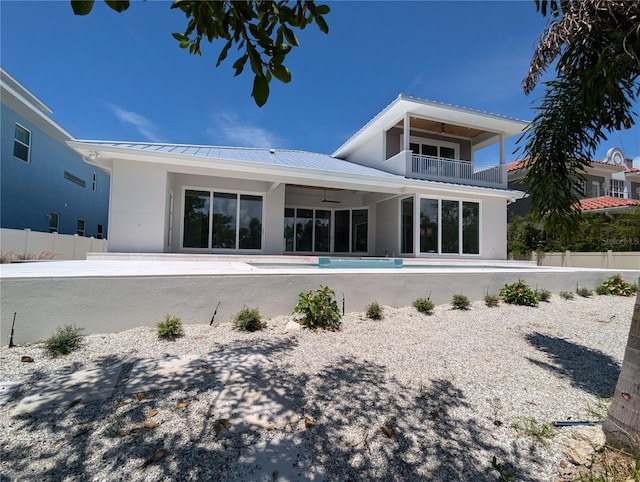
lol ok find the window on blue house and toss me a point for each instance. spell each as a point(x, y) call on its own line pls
point(80, 229)
point(22, 143)
point(54, 222)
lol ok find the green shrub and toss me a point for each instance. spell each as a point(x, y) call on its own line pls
point(491, 300)
point(460, 302)
point(248, 319)
point(602, 290)
point(519, 293)
point(584, 292)
point(170, 328)
point(319, 309)
point(616, 285)
point(423, 305)
point(543, 295)
point(374, 311)
point(66, 339)
point(567, 295)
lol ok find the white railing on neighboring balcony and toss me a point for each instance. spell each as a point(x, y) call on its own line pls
point(455, 171)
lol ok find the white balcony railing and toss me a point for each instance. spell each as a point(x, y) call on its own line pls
point(455, 171)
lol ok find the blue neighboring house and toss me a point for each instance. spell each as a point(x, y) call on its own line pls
point(44, 184)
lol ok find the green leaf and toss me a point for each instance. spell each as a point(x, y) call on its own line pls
point(280, 72)
point(322, 25)
point(82, 7)
point(180, 37)
point(223, 53)
point(239, 64)
point(260, 92)
point(290, 36)
point(323, 9)
point(118, 5)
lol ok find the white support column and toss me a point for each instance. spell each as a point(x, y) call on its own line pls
point(407, 131)
point(502, 150)
point(416, 225)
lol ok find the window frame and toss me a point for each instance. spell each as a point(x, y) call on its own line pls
point(238, 194)
point(56, 215)
point(83, 230)
point(18, 141)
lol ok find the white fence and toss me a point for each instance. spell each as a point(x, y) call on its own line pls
point(33, 244)
point(599, 260)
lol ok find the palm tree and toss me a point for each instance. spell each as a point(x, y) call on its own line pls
point(597, 48)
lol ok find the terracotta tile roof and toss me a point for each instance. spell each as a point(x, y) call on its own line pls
point(515, 165)
point(604, 202)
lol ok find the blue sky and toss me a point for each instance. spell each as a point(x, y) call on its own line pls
point(122, 76)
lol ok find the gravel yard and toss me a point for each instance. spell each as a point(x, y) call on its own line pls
point(409, 397)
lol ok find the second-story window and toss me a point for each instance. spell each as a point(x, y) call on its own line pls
point(616, 188)
point(95, 181)
point(22, 143)
point(80, 230)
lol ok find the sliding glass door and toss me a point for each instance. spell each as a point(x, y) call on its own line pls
point(222, 220)
point(310, 230)
point(449, 226)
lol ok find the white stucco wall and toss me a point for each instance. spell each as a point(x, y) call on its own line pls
point(387, 217)
point(371, 153)
point(493, 219)
point(137, 207)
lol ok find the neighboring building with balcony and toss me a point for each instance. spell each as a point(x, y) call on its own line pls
point(611, 184)
point(44, 184)
point(406, 184)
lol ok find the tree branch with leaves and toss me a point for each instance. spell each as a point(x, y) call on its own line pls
point(263, 31)
point(596, 47)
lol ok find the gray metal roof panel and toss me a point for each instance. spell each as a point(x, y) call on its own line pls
point(273, 157)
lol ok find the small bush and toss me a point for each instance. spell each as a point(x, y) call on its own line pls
point(616, 285)
point(543, 295)
point(460, 302)
point(602, 290)
point(423, 305)
point(247, 319)
point(566, 295)
point(519, 293)
point(319, 309)
point(374, 311)
point(584, 292)
point(66, 339)
point(491, 301)
point(170, 328)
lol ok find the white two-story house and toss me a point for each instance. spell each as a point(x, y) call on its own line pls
point(406, 184)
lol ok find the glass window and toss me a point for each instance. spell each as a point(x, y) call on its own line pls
point(470, 228)
point(100, 232)
point(360, 230)
point(341, 236)
point(225, 206)
point(304, 229)
point(95, 181)
point(196, 219)
point(322, 230)
point(250, 222)
point(22, 143)
point(289, 228)
point(54, 222)
point(406, 207)
point(428, 225)
point(80, 227)
point(616, 188)
point(450, 218)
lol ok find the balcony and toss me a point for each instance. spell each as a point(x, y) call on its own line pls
point(455, 171)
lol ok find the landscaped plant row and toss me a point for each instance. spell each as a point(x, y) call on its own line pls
point(319, 309)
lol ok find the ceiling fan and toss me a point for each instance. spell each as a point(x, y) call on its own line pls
point(325, 200)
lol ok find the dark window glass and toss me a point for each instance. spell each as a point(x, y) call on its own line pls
point(224, 220)
point(407, 225)
point(304, 229)
point(250, 222)
point(322, 231)
point(341, 237)
point(360, 230)
point(428, 225)
point(470, 228)
point(196, 219)
point(450, 226)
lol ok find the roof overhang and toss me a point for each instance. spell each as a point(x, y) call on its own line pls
point(102, 156)
point(487, 128)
